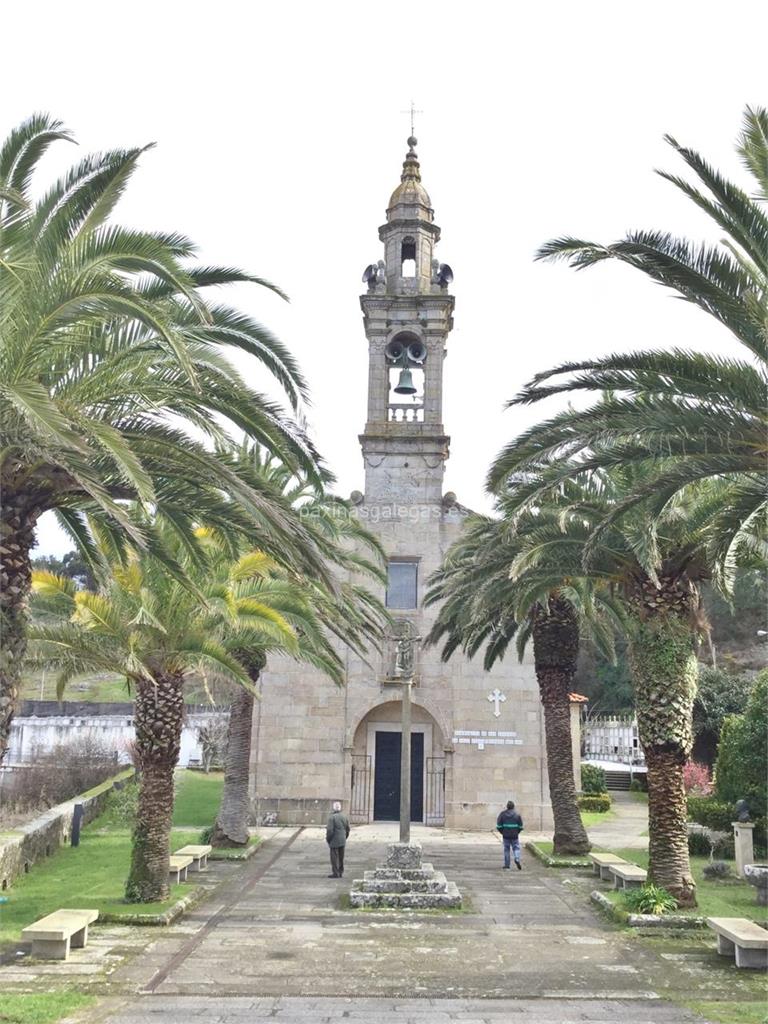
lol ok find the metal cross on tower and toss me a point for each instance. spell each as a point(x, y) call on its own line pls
point(412, 111)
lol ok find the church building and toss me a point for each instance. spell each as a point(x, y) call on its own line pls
point(477, 736)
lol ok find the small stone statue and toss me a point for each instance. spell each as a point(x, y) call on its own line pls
point(742, 811)
point(404, 657)
point(404, 651)
point(435, 271)
point(381, 273)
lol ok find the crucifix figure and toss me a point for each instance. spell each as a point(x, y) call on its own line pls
point(496, 698)
point(404, 661)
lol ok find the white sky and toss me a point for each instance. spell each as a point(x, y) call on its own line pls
point(280, 136)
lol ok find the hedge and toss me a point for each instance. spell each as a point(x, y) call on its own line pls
point(719, 816)
point(593, 779)
point(599, 802)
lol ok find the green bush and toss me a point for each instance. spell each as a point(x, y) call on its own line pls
point(120, 808)
point(593, 779)
point(699, 844)
point(639, 784)
point(650, 899)
point(743, 753)
point(711, 813)
point(719, 816)
point(599, 802)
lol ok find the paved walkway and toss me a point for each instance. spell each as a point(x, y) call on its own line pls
point(627, 828)
point(276, 942)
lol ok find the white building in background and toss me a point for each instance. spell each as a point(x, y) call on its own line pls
point(45, 725)
point(612, 739)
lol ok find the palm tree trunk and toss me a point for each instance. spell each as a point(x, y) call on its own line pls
point(665, 672)
point(158, 716)
point(231, 828)
point(17, 538)
point(555, 652)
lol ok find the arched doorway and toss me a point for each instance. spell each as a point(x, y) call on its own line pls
point(375, 762)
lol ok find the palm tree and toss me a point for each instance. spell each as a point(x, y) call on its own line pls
point(109, 356)
point(482, 607)
point(687, 416)
point(155, 630)
point(319, 610)
point(654, 564)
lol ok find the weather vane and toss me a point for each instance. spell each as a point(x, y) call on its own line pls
point(412, 111)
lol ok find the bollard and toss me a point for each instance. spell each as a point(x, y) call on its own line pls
point(77, 818)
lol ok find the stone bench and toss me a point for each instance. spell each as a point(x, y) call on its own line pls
point(199, 855)
point(601, 863)
point(54, 935)
point(742, 938)
point(627, 876)
point(178, 866)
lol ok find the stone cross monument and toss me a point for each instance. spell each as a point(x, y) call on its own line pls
point(404, 671)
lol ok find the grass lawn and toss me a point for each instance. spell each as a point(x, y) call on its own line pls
point(197, 798)
point(715, 899)
point(590, 818)
point(42, 1007)
point(91, 875)
point(732, 1013)
point(101, 686)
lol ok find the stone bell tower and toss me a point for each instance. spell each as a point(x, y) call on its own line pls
point(407, 315)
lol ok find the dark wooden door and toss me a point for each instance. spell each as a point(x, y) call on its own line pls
point(386, 786)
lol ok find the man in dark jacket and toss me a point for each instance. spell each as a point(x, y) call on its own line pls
point(510, 825)
point(336, 834)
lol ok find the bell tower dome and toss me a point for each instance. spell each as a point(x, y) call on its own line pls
point(407, 315)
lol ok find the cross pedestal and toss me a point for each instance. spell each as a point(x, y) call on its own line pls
point(405, 882)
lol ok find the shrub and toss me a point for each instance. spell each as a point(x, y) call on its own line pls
point(121, 806)
point(719, 816)
point(699, 844)
point(639, 784)
point(743, 753)
point(599, 802)
point(724, 847)
point(717, 869)
point(650, 899)
point(212, 738)
point(205, 835)
point(720, 693)
point(58, 774)
point(696, 779)
point(710, 813)
point(593, 779)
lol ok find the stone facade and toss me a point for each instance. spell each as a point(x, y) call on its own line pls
point(483, 738)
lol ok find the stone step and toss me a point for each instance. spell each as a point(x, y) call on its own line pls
point(425, 871)
point(436, 884)
point(408, 900)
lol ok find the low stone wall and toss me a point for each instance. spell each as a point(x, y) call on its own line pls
point(24, 846)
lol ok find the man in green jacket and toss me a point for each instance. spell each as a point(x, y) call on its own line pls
point(336, 834)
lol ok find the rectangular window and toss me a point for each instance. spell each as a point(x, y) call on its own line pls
point(402, 579)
